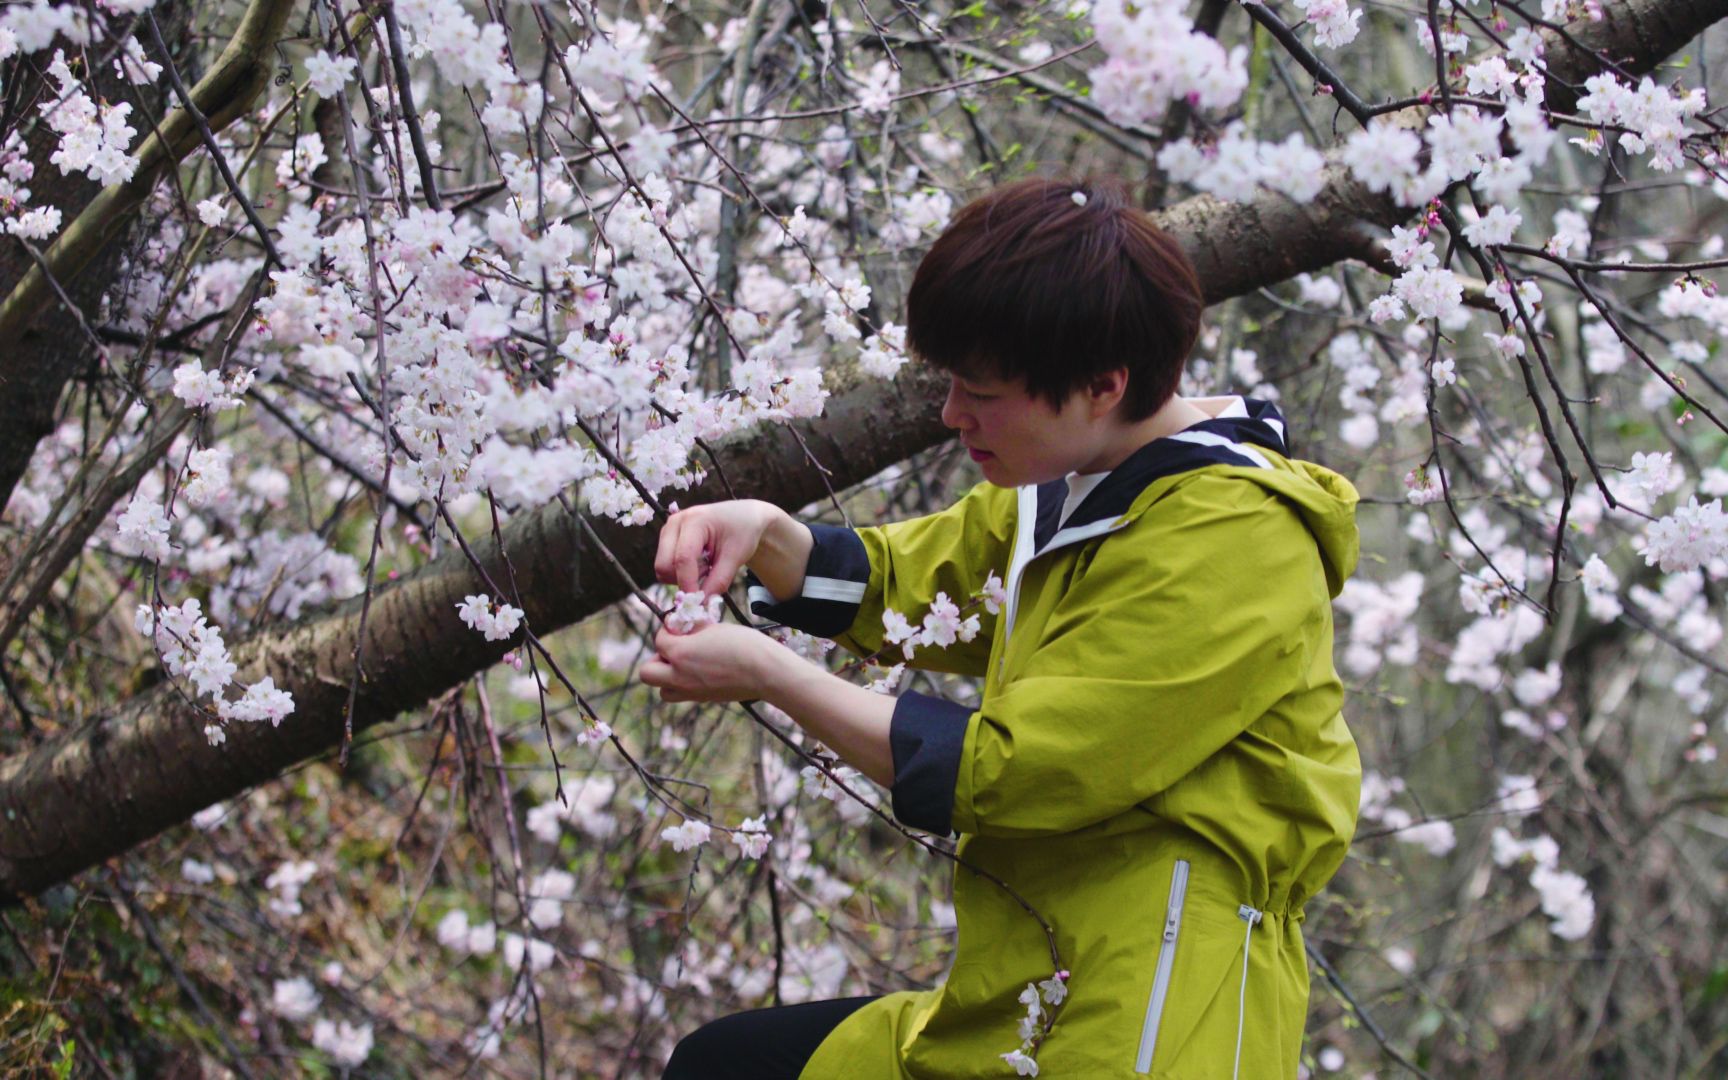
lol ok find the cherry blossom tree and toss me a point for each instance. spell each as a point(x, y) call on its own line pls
point(355, 354)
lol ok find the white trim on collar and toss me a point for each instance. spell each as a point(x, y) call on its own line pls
point(1207, 438)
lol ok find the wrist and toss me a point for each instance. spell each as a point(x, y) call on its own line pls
point(783, 549)
point(768, 671)
point(777, 527)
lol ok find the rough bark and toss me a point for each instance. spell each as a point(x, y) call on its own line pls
point(93, 792)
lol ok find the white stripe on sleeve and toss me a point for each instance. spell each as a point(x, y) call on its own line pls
point(827, 588)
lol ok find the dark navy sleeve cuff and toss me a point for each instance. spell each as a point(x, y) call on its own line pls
point(834, 582)
point(927, 737)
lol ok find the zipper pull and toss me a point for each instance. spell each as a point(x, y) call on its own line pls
point(1170, 923)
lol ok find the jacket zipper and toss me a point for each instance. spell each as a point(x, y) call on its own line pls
point(1252, 916)
point(1166, 962)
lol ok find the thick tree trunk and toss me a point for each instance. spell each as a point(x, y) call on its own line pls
point(93, 792)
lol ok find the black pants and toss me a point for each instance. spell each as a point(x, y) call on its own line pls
point(764, 1044)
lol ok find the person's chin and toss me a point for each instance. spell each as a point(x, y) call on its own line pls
point(996, 473)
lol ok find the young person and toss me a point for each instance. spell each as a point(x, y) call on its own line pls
point(1158, 765)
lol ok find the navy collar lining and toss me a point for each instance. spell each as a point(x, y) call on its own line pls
point(1159, 458)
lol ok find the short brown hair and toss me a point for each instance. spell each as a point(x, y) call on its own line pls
point(1031, 282)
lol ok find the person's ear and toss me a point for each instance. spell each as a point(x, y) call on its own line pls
point(1106, 390)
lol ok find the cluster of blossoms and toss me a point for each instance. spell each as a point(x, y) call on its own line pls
point(498, 622)
point(1434, 836)
point(877, 88)
point(1698, 299)
point(617, 57)
point(94, 140)
point(286, 881)
point(326, 74)
point(1654, 117)
point(1333, 21)
point(691, 610)
point(296, 1001)
point(1565, 896)
point(191, 648)
point(1699, 750)
point(457, 426)
point(457, 934)
point(349, 1045)
point(37, 223)
point(751, 837)
point(547, 894)
point(32, 27)
point(593, 733)
point(1534, 688)
point(142, 530)
point(1382, 625)
point(1504, 625)
point(585, 811)
point(200, 389)
point(1037, 1021)
point(687, 836)
point(884, 352)
point(1693, 536)
point(531, 953)
point(1234, 166)
point(826, 785)
point(942, 625)
point(207, 476)
point(1156, 58)
point(1424, 485)
point(282, 575)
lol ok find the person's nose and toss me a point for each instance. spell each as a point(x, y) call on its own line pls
point(952, 414)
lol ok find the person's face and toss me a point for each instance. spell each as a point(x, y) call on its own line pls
point(1018, 438)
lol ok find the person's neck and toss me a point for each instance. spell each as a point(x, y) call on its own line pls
point(1174, 415)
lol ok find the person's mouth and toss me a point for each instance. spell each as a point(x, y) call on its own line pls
point(979, 455)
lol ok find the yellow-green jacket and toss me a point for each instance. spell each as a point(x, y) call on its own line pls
point(1158, 764)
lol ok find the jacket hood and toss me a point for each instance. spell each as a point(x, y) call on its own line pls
point(1327, 503)
point(1239, 434)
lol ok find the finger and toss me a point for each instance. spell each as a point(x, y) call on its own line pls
point(666, 551)
point(657, 672)
point(728, 560)
point(687, 558)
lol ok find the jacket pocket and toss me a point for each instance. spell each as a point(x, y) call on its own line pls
point(1166, 964)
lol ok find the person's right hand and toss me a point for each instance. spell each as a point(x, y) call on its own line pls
point(704, 547)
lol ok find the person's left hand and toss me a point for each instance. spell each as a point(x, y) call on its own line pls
point(717, 662)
